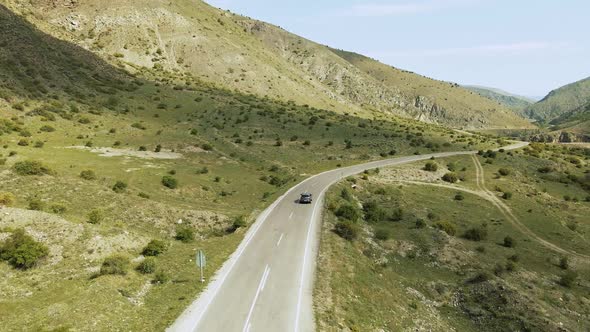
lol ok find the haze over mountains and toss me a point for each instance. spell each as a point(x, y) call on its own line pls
point(255, 57)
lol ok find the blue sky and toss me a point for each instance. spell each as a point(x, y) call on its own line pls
point(527, 47)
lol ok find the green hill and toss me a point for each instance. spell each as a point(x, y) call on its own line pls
point(96, 162)
point(560, 101)
point(514, 102)
point(254, 57)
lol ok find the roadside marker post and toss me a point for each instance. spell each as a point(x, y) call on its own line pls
point(201, 262)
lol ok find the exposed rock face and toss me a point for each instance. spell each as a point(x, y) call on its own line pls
point(560, 137)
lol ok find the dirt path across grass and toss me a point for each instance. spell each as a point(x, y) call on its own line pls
point(488, 195)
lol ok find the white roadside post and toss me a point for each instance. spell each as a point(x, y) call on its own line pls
point(201, 261)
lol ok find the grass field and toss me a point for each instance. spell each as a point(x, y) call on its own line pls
point(446, 263)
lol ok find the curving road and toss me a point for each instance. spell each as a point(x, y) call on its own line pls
point(267, 283)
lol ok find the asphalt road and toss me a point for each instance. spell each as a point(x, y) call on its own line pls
point(267, 284)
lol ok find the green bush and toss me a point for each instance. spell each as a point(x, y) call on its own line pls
point(114, 265)
point(459, 197)
point(564, 263)
point(480, 277)
point(147, 266)
point(373, 212)
point(476, 234)
point(58, 208)
point(504, 171)
point(446, 227)
point(184, 234)
point(346, 195)
point(347, 230)
point(509, 242)
point(154, 248)
point(29, 167)
point(47, 129)
point(161, 278)
point(348, 212)
point(568, 279)
point(119, 187)
point(507, 195)
point(88, 175)
point(450, 177)
point(382, 234)
point(95, 217)
point(169, 182)
point(36, 204)
point(420, 223)
point(22, 251)
point(431, 166)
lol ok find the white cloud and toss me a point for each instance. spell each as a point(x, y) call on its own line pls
point(392, 9)
point(480, 50)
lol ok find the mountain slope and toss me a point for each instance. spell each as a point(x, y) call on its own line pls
point(514, 102)
point(254, 57)
point(560, 101)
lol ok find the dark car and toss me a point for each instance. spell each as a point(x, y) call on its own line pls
point(305, 198)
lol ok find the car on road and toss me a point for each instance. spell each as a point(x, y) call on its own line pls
point(305, 198)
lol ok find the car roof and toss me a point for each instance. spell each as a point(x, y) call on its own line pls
point(306, 194)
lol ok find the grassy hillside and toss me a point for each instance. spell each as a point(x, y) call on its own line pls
point(256, 58)
point(96, 163)
point(503, 249)
point(560, 101)
point(511, 101)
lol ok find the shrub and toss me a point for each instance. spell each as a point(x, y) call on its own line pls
point(476, 234)
point(30, 167)
point(347, 230)
point(6, 199)
point(114, 265)
point(154, 248)
point(147, 266)
point(161, 278)
point(95, 217)
point(507, 195)
point(564, 263)
point(480, 277)
point(47, 129)
point(373, 212)
point(459, 197)
point(39, 144)
point(382, 234)
point(58, 208)
point(184, 234)
point(397, 214)
point(446, 227)
point(450, 177)
point(36, 204)
point(169, 182)
point(22, 251)
point(509, 242)
point(431, 166)
point(119, 187)
point(504, 171)
point(88, 175)
point(158, 148)
point(420, 223)
point(346, 195)
point(568, 278)
point(207, 147)
point(348, 212)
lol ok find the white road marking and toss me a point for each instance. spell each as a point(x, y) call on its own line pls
point(279, 243)
point(291, 215)
point(260, 288)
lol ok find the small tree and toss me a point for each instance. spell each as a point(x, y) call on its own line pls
point(564, 263)
point(476, 234)
point(568, 279)
point(504, 171)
